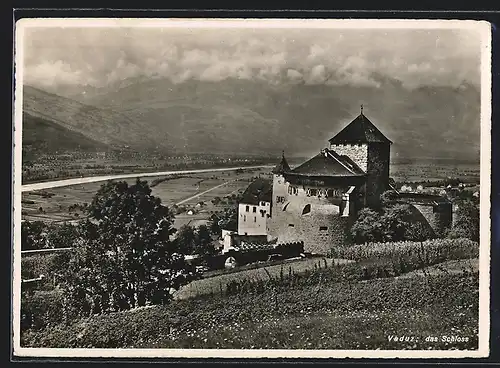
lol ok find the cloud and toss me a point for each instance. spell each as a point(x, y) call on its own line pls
point(294, 75)
point(54, 73)
point(315, 56)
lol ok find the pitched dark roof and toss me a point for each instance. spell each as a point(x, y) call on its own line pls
point(328, 163)
point(360, 130)
point(259, 190)
point(282, 166)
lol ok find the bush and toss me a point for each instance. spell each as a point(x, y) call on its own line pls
point(420, 254)
point(33, 235)
point(367, 227)
point(396, 222)
point(466, 224)
point(40, 309)
point(47, 264)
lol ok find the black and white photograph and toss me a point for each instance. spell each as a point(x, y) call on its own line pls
point(251, 188)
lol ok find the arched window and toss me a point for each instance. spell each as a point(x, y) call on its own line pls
point(306, 209)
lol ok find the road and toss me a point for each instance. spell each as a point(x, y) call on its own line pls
point(206, 191)
point(94, 179)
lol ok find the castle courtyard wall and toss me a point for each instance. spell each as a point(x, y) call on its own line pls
point(315, 220)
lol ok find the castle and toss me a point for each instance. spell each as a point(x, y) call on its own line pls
point(317, 201)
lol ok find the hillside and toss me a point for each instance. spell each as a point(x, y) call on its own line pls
point(104, 126)
point(47, 136)
point(238, 116)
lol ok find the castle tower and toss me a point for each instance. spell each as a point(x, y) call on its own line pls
point(364, 144)
point(280, 193)
point(279, 184)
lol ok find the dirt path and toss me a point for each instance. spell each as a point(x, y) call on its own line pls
point(455, 266)
point(204, 192)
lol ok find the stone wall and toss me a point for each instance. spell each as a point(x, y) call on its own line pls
point(356, 152)
point(316, 220)
point(374, 159)
point(439, 216)
point(319, 231)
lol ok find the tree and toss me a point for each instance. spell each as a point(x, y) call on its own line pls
point(226, 219)
point(33, 235)
point(388, 197)
point(124, 256)
point(204, 246)
point(186, 239)
point(367, 227)
point(396, 222)
point(61, 236)
point(466, 224)
point(404, 222)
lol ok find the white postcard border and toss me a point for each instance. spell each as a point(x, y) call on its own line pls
point(483, 27)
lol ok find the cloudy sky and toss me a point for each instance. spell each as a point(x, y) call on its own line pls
point(99, 56)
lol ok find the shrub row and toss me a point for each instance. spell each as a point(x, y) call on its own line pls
point(378, 260)
point(426, 252)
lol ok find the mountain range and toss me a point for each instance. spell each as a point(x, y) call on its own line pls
point(255, 117)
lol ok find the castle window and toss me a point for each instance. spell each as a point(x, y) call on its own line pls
point(254, 209)
point(280, 199)
point(323, 228)
point(307, 209)
point(311, 192)
point(255, 219)
point(291, 225)
point(248, 208)
point(244, 217)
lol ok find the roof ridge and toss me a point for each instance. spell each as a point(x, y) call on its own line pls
point(361, 129)
point(329, 152)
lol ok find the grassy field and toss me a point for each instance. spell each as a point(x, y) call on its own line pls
point(340, 315)
point(55, 204)
point(307, 304)
point(214, 285)
point(429, 170)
